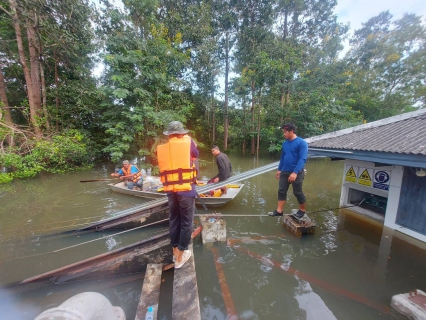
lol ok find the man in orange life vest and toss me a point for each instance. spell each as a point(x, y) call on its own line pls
point(130, 174)
point(177, 173)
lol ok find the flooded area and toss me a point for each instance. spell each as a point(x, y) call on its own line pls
point(349, 269)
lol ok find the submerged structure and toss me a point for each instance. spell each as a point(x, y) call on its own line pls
point(384, 173)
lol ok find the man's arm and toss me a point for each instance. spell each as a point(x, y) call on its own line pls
point(194, 151)
point(281, 164)
point(303, 155)
point(117, 174)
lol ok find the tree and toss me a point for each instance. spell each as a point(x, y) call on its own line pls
point(387, 66)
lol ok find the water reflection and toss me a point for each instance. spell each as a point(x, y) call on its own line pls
point(311, 303)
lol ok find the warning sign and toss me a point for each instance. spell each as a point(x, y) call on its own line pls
point(365, 177)
point(381, 180)
point(350, 174)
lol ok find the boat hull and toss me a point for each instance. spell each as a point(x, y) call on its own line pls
point(127, 260)
point(211, 202)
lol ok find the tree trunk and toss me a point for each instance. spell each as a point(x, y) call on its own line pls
point(4, 106)
point(4, 101)
point(30, 88)
point(34, 64)
point(43, 96)
point(225, 129)
point(252, 116)
point(213, 120)
point(285, 33)
point(258, 122)
point(57, 93)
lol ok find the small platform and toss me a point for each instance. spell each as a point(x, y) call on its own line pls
point(296, 228)
point(410, 305)
point(214, 227)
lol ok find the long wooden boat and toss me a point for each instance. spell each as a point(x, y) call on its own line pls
point(130, 259)
point(152, 189)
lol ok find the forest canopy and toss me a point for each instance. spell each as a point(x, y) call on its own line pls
point(232, 71)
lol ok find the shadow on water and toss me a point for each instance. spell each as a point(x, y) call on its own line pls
point(349, 269)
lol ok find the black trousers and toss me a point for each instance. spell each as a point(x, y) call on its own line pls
point(181, 212)
point(297, 186)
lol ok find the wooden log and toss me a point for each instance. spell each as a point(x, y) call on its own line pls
point(297, 228)
point(150, 291)
point(186, 304)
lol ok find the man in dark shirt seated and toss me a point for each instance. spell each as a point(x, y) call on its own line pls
point(223, 165)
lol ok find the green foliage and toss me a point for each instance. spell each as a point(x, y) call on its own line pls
point(62, 153)
point(5, 178)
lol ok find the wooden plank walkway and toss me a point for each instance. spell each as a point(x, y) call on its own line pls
point(150, 291)
point(185, 304)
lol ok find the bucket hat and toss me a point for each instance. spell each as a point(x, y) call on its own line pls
point(175, 127)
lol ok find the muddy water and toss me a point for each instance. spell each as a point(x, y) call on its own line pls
point(349, 269)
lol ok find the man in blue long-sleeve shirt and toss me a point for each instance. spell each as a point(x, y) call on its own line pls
point(290, 170)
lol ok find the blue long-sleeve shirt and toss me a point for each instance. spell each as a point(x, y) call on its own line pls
point(294, 155)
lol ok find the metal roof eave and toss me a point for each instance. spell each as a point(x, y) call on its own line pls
point(402, 159)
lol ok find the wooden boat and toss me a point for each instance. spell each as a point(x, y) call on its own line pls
point(130, 259)
point(152, 189)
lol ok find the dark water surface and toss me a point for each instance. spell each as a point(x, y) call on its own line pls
point(349, 269)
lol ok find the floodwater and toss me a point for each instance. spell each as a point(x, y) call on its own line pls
point(349, 269)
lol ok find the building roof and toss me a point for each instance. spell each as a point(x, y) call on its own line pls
point(398, 137)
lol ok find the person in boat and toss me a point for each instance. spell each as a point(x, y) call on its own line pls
point(224, 166)
point(291, 170)
point(177, 173)
point(131, 175)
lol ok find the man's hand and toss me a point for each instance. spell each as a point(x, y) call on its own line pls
point(292, 177)
point(277, 174)
point(216, 179)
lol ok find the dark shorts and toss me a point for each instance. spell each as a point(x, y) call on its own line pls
point(297, 186)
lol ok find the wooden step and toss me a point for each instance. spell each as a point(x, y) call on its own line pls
point(150, 291)
point(186, 304)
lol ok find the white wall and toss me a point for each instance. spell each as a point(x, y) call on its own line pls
point(393, 194)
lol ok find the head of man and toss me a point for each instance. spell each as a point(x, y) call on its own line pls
point(289, 130)
point(175, 129)
point(126, 164)
point(215, 150)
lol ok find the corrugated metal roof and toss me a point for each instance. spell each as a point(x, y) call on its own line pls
point(401, 134)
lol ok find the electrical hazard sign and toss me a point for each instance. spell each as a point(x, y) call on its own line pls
point(351, 174)
point(365, 177)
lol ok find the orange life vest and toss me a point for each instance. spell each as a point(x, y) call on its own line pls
point(174, 160)
point(135, 177)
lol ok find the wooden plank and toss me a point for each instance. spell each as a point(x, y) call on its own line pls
point(296, 228)
point(186, 304)
point(150, 291)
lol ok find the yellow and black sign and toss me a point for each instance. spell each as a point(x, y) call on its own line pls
point(350, 175)
point(365, 178)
